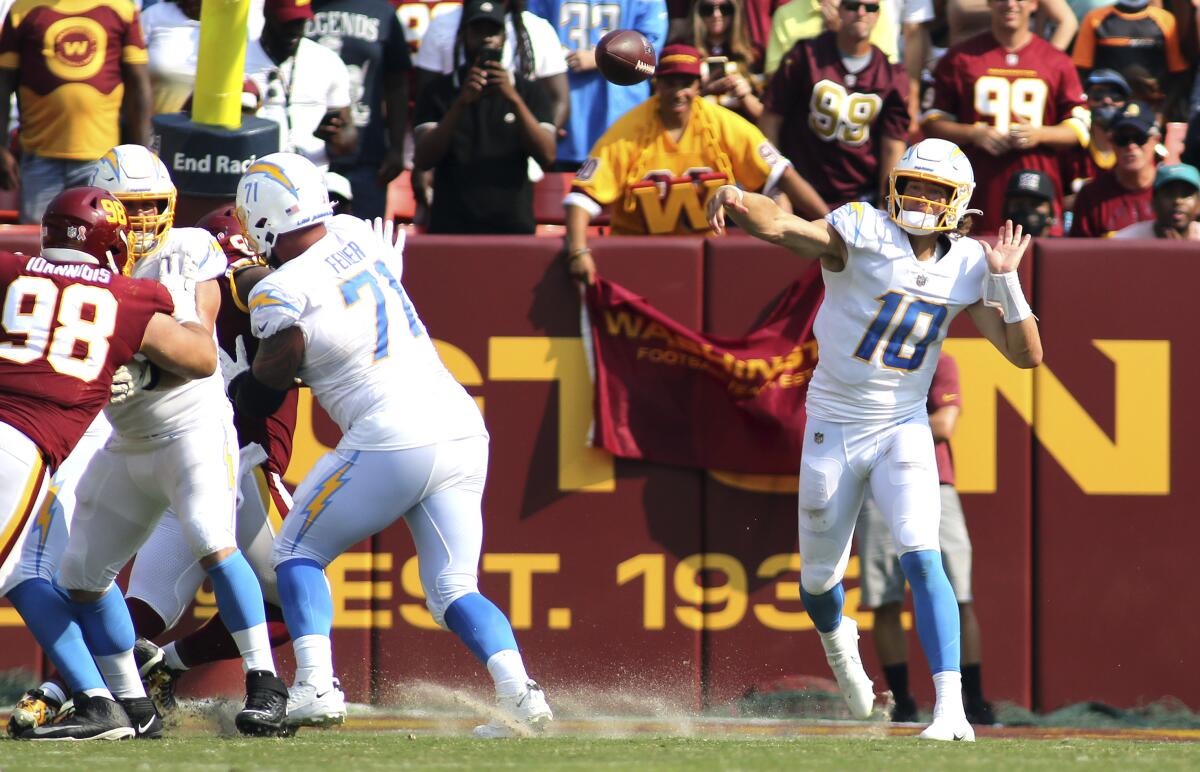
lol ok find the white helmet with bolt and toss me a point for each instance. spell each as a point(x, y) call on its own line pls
point(942, 163)
point(135, 175)
point(277, 194)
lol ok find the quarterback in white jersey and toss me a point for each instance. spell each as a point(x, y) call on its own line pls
point(414, 445)
point(894, 280)
point(173, 446)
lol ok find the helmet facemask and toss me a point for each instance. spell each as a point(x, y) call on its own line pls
point(943, 215)
point(147, 232)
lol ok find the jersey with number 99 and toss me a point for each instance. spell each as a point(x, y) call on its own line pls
point(66, 327)
point(979, 82)
point(883, 319)
point(367, 356)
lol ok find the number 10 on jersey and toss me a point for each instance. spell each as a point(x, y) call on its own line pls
point(909, 311)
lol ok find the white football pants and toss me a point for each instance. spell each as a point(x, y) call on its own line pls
point(838, 461)
point(438, 490)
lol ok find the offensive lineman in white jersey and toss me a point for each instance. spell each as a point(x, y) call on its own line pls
point(173, 446)
point(414, 445)
point(894, 281)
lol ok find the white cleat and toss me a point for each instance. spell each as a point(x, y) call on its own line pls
point(521, 715)
point(842, 655)
point(947, 729)
point(308, 706)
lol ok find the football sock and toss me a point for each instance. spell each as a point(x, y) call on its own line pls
point(146, 621)
point(121, 673)
point(972, 682)
point(108, 631)
point(212, 641)
point(508, 672)
point(936, 609)
point(49, 617)
point(480, 625)
point(897, 680)
point(239, 598)
point(54, 691)
point(825, 609)
point(947, 685)
point(314, 660)
point(304, 594)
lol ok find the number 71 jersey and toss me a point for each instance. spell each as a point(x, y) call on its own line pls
point(883, 319)
point(367, 356)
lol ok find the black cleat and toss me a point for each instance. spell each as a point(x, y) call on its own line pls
point(94, 718)
point(144, 716)
point(158, 679)
point(266, 705)
point(904, 711)
point(980, 712)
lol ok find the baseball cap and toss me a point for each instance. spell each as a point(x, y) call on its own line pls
point(283, 11)
point(1136, 115)
point(678, 59)
point(338, 186)
point(1109, 78)
point(1029, 182)
point(1177, 173)
point(492, 10)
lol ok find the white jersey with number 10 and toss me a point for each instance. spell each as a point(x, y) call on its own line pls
point(367, 356)
point(881, 325)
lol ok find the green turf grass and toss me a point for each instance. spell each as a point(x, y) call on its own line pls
point(343, 751)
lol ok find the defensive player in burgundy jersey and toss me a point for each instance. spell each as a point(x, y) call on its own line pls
point(1011, 101)
point(266, 448)
point(838, 110)
point(70, 320)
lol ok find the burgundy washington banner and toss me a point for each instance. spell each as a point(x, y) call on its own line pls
point(671, 395)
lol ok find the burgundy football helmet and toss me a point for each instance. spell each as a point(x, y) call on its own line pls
point(89, 220)
point(225, 227)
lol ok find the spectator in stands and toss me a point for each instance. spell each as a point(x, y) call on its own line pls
point(1029, 202)
point(73, 107)
point(1053, 20)
point(839, 111)
point(1131, 33)
point(659, 164)
point(368, 37)
point(1176, 204)
point(756, 15)
point(805, 19)
point(477, 128)
point(531, 47)
point(1107, 94)
point(305, 86)
point(883, 579)
point(727, 71)
point(1011, 101)
point(1121, 197)
point(595, 103)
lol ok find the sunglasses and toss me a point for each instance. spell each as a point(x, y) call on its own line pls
point(708, 9)
point(1126, 138)
point(1100, 94)
point(852, 6)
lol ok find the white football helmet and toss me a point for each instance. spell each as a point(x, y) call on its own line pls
point(940, 162)
point(135, 175)
point(277, 194)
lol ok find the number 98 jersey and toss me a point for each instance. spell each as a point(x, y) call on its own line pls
point(883, 319)
point(64, 329)
point(367, 356)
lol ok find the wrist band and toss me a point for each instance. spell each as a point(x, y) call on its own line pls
point(579, 252)
point(1003, 291)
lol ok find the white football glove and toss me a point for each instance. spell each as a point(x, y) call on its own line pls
point(130, 379)
point(177, 272)
point(232, 367)
point(393, 238)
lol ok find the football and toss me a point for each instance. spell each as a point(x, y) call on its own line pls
point(625, 57)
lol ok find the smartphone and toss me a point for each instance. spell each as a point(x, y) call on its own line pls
point(325, 120)
point(716, 67)
point(486, 55)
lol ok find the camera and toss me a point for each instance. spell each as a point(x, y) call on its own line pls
point(717, 67)
point(487, 55)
